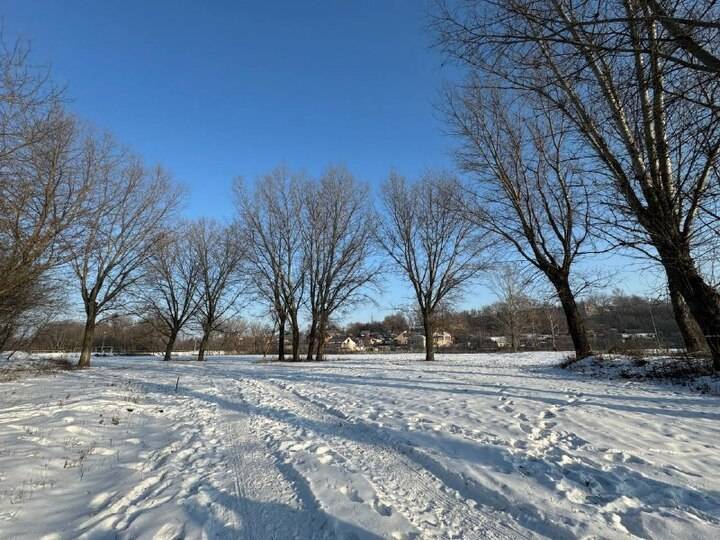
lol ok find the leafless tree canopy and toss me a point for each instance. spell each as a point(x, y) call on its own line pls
point(613, 71)
point(219, 256)
point(430, 240)
point(129, 208)
point(338, 230)
point(169, 292)
point(271, 232)
point(42, 188)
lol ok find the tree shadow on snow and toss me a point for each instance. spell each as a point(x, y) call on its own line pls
point(673, 407)
point(603, 486)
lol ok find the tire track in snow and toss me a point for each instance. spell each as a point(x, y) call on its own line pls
point(470, 489)
point(419, 494)
point(273, 505)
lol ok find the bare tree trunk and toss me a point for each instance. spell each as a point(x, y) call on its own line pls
point(702, 299)
point(281, 339)
point(321, 338)
point(429, 344)
point(295, 328)
point(6, 333)
point(553, 330)
point(320, 354)
point(575, 322)
point(692, 335)
point(170, 346)
point(203, 345)
point(87, 339)
point(311, 338)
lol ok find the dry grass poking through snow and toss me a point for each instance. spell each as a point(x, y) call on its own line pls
point(20, 365)
point(691, 371)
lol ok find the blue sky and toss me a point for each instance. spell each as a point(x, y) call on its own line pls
point(213, 90)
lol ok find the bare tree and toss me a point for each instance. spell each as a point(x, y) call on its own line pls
point(690, 331)
point(338, 229)
point(129, 208)
point(532, 189)
point(511, 286)
point(42, 189)
point(550, 311)
point(652, 127)
point(59, 335)
point(218, 253)
point(169, 293)
point(430, 241)
point(234, 334)
point(261, 336)
point(694, 28)
point(272, 234)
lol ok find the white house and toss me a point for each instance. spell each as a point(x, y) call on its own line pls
point(344, 343)
point(500, 341)
point(442, 339)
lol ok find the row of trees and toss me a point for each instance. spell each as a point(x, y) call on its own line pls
point(613, 320)
point(594, 120)
point(586, 126)
point(81, 213)
point(310, 245)
point(82, 216)
point(133, 335)
point(91, 215)
point(583, 127)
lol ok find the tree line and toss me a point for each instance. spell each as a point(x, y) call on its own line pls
point(583, 128)
point(595, 120)
point(615, 321)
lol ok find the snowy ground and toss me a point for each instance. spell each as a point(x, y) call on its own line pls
point(484, 446)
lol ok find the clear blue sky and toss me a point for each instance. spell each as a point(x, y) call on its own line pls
point(213, 90)
point(218, 89)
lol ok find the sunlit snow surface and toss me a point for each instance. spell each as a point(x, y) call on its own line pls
point(470, 446)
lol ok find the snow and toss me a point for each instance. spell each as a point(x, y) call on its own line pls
point(694, 373)
point(470, 446)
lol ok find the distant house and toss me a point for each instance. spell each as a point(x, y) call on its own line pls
point(374, 341)
point(500, 341)
point(535, 338)
point(343, 343)
point(402, 338)
point(442, 339)
point(416, 339)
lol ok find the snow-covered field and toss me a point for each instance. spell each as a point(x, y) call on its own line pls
point(482, 446)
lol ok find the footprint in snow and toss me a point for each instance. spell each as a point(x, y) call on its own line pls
point(526, 428)
point(618, 456)
point(351, 494)
point(371, 414)
point(380, 507)
point(324, 455)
